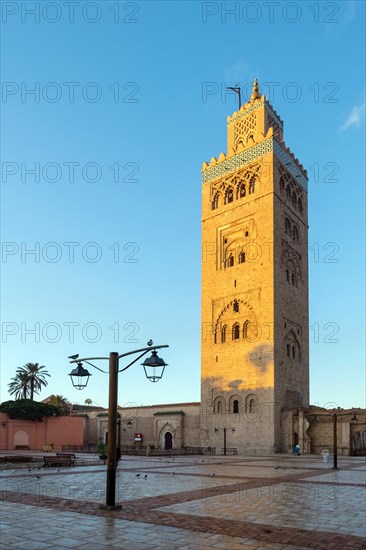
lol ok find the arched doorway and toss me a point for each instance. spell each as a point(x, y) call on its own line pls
point(168, 441)
point(21, 438)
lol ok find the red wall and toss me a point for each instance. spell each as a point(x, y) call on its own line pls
point(59, 430)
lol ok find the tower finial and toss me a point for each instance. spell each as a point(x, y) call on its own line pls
point(255, 93)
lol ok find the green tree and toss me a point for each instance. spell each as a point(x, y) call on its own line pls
point(36, 377)
point(19, 386)
point(61, 403)
point(25, 409)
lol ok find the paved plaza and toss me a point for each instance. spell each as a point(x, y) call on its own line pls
point(282, 502)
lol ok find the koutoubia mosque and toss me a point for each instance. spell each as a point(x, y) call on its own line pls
point(255, 348)
point(255, 315)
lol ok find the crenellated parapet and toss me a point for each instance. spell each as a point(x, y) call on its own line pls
point(253, 131)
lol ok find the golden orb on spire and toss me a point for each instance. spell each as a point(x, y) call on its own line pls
point(255, 93)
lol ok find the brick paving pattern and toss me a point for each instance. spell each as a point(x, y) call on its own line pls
point(282, 502)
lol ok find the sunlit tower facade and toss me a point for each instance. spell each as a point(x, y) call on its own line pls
point(255, 321)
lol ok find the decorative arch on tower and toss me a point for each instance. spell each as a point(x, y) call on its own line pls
point(290, 261)
point(251, 404)
point(216, 200)
point(219, 405)
point(291, 191)
point(231, 321)
point(235, 404)
point(235, 187)
point(292, 346)
point(244, 131)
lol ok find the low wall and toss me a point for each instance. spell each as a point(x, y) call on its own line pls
point(56, 430)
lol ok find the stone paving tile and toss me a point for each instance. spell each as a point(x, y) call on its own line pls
point(332, 509)
point(92, 487)
point(60, 498)
point(350, 476)
point(137, 537)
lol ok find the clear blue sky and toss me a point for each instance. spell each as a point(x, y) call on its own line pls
point(139, 89)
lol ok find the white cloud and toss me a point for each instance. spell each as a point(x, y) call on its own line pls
point(355, 117)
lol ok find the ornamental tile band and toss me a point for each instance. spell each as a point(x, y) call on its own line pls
point(239, 160)
point(248, 156)
point(234, 118)
point(240, 114)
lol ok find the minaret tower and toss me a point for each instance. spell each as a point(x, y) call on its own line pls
point(255, 323)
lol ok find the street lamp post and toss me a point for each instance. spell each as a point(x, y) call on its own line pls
point(335, 443)
point(78, 375)
point(225, 433)
point(112, 428)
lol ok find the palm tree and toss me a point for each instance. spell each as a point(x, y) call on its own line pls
point(36, 377)
point(19, 385)
point(88, 401)
point(60, 402)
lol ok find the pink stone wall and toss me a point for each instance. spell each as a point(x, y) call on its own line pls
point(60, 430)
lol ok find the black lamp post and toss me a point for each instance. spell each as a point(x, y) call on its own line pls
point(80, 377)
point(225, 430)
point(335, 443)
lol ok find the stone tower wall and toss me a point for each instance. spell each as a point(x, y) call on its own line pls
point(246, 376)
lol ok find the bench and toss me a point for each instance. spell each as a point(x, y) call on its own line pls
point(70, 455)
point(47, 448)
point(58, 461)
point(22, 447)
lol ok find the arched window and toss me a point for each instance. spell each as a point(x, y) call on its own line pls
point(235, 406)
point(287, 227)
point(236, 331)
point(245, 329)
point(251, 403)
point(230, 261)
point(293, 349)
point(294, 200)
point(251, 185)
point(219, 405)
point(252, 406)
point(287, 275)
point(282, 186)
point(223, 333)
point(229, 195)
point(215, 202)
point(242, 191)
point(293, 279)
point(236, 306)
point(295, 233)
point(299, 205)
point(241, 259)
point(288, 193)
